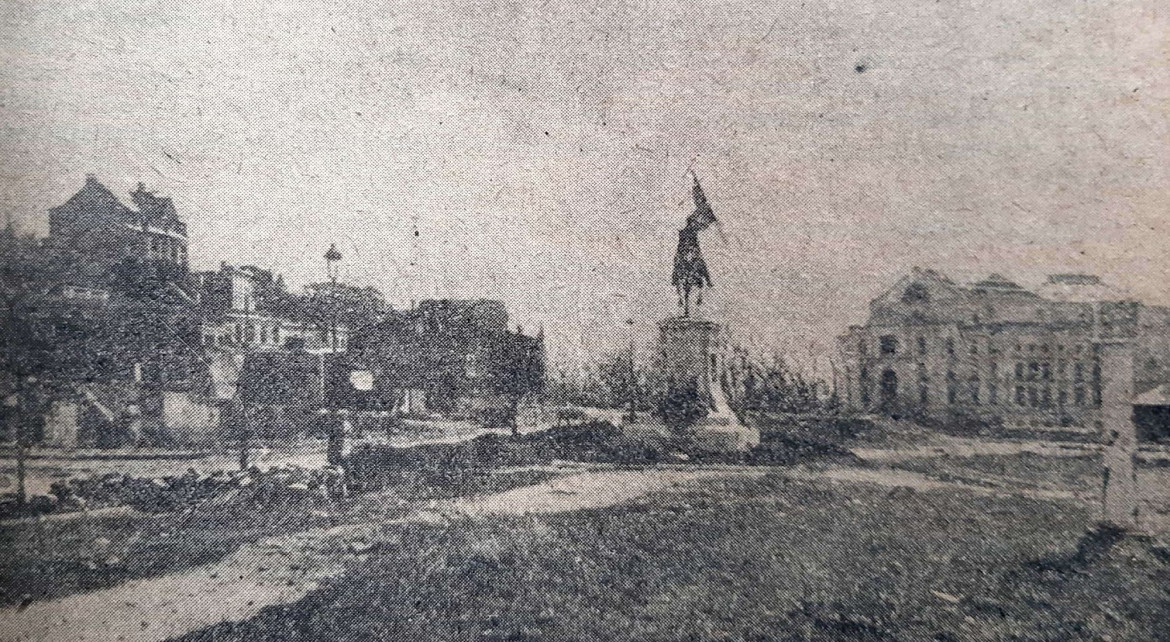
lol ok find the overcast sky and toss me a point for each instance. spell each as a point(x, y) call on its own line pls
point(543, 147)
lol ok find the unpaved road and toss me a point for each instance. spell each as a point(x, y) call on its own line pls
point(284, 569)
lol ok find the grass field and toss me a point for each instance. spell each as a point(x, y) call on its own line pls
point(747, 560)
point(1024, 470)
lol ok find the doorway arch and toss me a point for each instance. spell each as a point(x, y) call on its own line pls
point(889, 388)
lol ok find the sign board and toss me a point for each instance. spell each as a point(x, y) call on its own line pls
point(362, 380)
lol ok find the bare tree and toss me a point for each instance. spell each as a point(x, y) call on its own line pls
point(24, 357)
point(625, 381)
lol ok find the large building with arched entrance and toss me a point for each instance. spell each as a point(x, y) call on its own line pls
point(994, 350)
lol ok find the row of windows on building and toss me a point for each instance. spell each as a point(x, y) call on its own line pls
point(1029, 371)
point(888, 344)
point(1025, 396)
point(1029, 391)
point(245, 334)
point(248, 334)
point(1043, 371)
point(164, 248)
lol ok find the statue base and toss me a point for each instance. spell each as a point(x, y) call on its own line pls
point(719, 433)
point(693, 349)
point(712, 434)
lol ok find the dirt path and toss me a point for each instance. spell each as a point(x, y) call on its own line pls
point(589, 490)
point(284, 569)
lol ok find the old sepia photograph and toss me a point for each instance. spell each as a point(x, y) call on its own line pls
point(626, 320)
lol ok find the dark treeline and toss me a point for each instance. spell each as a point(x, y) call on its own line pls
point(750, 385)
point(779, 388)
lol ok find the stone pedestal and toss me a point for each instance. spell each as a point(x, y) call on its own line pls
point(693, 350)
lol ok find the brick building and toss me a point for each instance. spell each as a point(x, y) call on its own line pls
point(995, 350)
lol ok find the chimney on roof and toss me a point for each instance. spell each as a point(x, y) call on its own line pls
point(91, 178)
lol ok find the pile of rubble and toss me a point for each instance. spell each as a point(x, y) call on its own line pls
point(162, 494)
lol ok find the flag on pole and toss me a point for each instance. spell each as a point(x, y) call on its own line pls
point(703, 216)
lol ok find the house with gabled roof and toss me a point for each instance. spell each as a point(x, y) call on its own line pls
point(97, 227)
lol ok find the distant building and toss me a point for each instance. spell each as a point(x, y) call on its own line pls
point(247, 308)
point(452, 355)
point(97, 227)
point(994, 350)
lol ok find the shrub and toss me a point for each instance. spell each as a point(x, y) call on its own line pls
point(682, 406)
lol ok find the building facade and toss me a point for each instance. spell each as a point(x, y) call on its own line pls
point(995, 351)
point(94, 223)
point(454, 355)
point(245, 308)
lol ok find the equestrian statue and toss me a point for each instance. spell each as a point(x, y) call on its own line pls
point(690, 270)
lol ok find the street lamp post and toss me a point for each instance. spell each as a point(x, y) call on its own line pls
point(332, 265)
point(336, 442)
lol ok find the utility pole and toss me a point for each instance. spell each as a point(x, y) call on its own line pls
point(29, 404)
point(414, 274)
